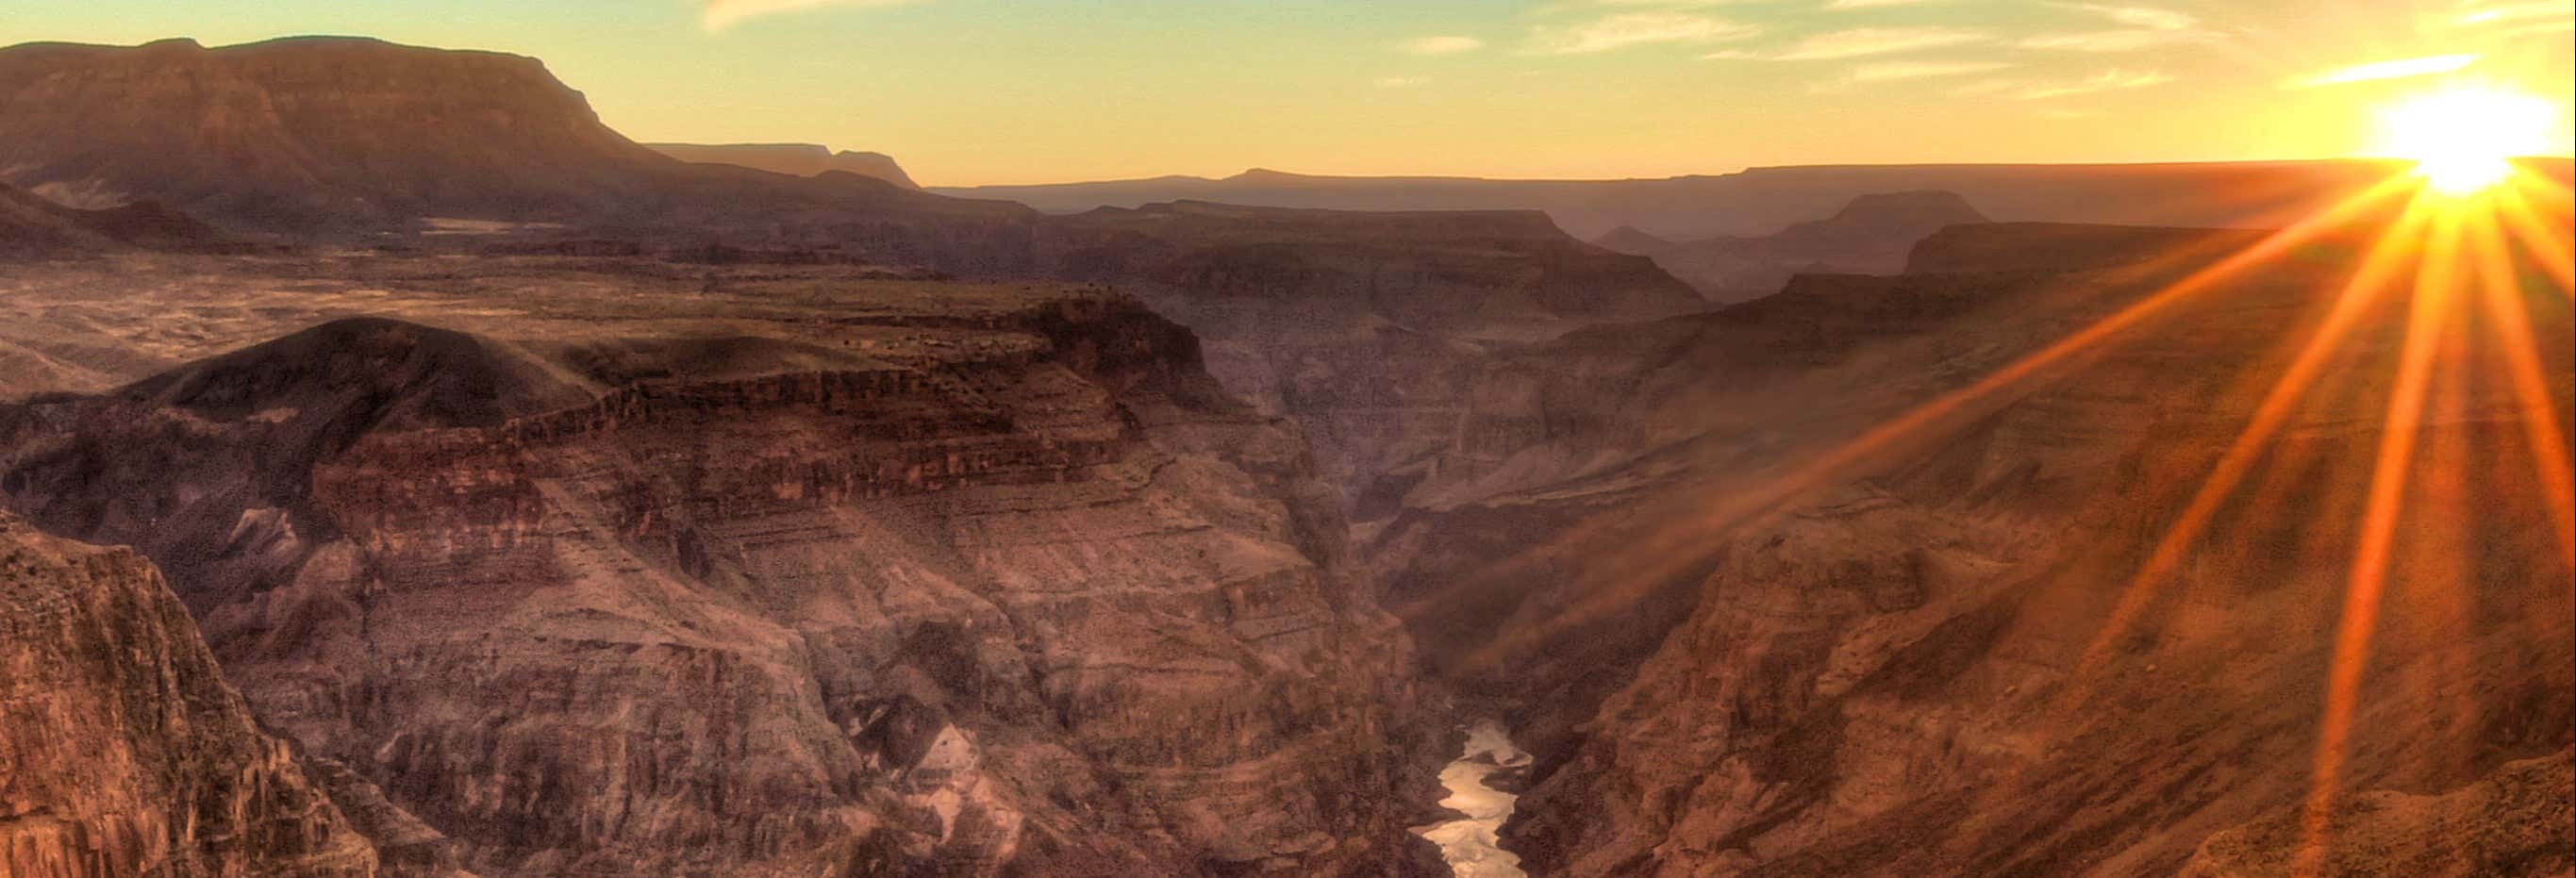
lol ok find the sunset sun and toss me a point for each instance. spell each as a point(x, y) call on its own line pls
point(2463, 139)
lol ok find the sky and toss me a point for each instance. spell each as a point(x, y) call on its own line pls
point(967, 92)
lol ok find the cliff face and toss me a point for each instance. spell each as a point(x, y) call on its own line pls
point(1871, 235)
point(327, 136)
point(792, 159)
point(122, 751)
point(304, 128)
point(968, 590)
point(1907, 664)
point(1363, 328)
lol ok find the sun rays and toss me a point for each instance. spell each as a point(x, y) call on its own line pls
point(2463, 269)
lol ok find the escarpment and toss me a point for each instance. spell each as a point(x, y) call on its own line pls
point(122, 751)
point(983, 584)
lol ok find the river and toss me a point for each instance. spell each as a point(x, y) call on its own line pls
point(1469, 844)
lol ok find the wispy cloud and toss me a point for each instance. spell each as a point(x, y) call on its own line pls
point(1865, 42)
point(1891, 71)
point(2506, 13)
point(1403, 81)
point(1441, 45)
point(2141, 28)
point(2117, 40)
point(1873, 4)
point(2027, 90)
point(1627, 29)
point(2394, 69)
point(2148, 17)
point(720, 14)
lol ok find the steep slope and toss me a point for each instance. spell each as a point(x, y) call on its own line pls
point(1632, 241)
point(1871, 235)
point(1361, 327)
point(2508, 825)
point(1905, 663)
point(819, 578)
point(792, 159)
point(122, 751)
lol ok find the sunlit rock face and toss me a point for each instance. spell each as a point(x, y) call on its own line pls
point(1906, 667)
point(122, 751)
point(303, 128)
point(960, 582)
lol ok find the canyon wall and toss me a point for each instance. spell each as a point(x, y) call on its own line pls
point(122, 750)
point(1937, 655)
point(1019, 591)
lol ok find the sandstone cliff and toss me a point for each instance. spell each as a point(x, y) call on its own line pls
point(122, 751)
point(331, 135)
point(916, 579)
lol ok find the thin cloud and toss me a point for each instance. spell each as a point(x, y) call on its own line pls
point(1892, 71)
point(1403, 81)
point(2117, 40)
point(1441, 45)
point(1873, 4)
point(1635, 29)
point(720, 14)
point(2148, 17)
point(2026, 90)
point(1865, 42)
point(2143, 27)
point(2400, 68)
point(2505, 13)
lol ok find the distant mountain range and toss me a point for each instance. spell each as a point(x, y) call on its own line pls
point(792, 159)
point(1761, 201)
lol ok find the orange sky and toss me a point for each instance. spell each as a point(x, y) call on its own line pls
point(998, 91)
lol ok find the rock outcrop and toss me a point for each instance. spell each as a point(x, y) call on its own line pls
point(906, 584)
point(792, 159)
point(122, 751)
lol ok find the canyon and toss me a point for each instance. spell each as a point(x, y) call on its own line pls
point(502, 497)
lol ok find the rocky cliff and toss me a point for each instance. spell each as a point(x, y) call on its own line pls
point(1361, 327)
point(122, 751)
point(1935, 657)
point(329, 136)
point(926, 580)
point(792, 159)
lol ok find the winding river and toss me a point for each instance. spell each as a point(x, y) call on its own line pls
point(1469, 844)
